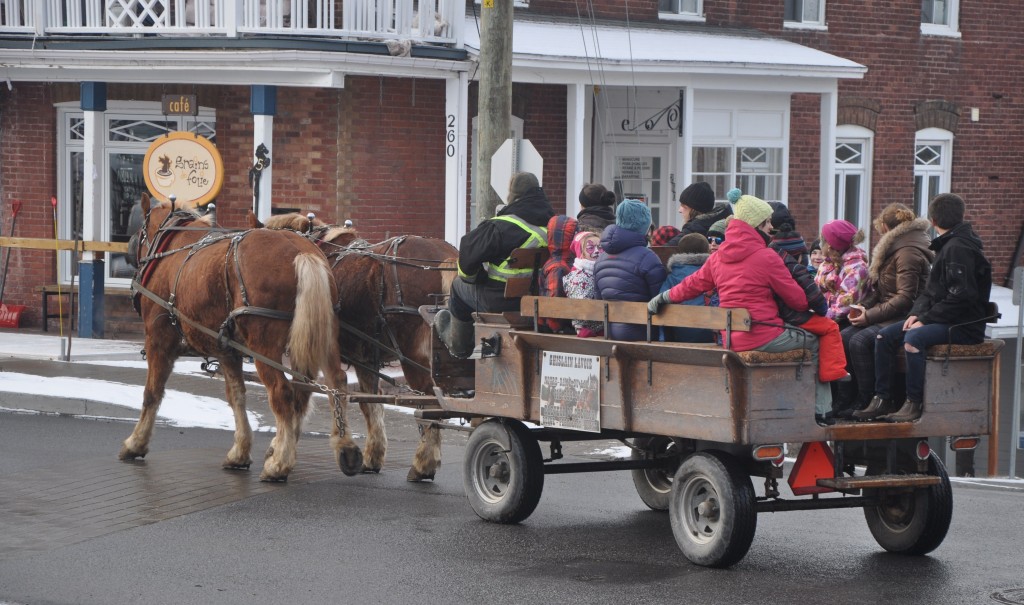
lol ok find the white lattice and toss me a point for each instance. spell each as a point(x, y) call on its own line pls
point(137, 13)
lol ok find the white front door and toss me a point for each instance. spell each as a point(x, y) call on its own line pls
point(641, 172)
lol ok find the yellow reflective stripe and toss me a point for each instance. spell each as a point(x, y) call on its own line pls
point(538, 238)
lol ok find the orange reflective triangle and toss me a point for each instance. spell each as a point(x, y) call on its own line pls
point(814, 462)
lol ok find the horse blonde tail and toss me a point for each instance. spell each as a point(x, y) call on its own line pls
point(449, 271)
point(312, 338)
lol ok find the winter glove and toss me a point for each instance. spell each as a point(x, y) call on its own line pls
point(657, 301)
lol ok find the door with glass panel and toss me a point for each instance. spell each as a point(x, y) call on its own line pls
point(641, 172)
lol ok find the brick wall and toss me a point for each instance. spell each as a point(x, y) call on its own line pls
point(27, 122)
point(905, 70)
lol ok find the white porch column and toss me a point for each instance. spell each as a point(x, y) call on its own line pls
point(455, 132)
point(684, 152)
point(92, 194)
point(826, 192)
point(575, 152)
point(263, 104)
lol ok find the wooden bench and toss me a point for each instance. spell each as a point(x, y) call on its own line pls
point(680, 316)
point(68, 302)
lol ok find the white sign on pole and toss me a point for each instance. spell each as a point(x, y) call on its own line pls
point(514, 155)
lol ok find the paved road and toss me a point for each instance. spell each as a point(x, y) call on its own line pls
point(78, 526)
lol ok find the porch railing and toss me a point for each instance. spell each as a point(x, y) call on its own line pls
point(435, 21)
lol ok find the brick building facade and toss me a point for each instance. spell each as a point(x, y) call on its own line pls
point(372, 149)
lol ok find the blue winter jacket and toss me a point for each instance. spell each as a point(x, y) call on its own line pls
point(681, 266)
point(627, 270)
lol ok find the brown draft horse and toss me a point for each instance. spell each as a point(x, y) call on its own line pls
point(381, 287)
point(268, 291)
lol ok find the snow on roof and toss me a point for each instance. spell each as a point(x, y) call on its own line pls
point(566, 45)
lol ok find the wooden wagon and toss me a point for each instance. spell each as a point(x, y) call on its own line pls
point(702, 420)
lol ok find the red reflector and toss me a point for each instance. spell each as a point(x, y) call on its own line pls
point(767, 452)
point(964, 443)
point(923, 450)
point(814, 462)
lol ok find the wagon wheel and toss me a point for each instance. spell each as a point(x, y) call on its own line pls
point(654, 485)
point(503, 471)
point(712, 509)
point(916, 522)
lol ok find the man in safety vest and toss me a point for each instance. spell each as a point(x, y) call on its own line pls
point(483, 262)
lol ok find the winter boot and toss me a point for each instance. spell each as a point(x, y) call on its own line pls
point(910, 411)
point(877, 407)
point(844, 399)
point(455, 334)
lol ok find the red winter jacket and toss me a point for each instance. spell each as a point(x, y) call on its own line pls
point(747, 274)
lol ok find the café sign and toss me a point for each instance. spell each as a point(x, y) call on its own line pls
point(185, 165)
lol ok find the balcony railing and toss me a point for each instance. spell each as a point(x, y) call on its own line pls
point(433, 21)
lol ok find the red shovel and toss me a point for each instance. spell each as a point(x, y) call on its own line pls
point(15, 206)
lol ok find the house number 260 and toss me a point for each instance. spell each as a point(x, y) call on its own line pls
point(450, 135)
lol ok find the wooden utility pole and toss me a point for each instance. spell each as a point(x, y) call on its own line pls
point(494, 117)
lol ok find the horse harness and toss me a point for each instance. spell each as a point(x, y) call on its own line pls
point(381, 328)
point(224, 337)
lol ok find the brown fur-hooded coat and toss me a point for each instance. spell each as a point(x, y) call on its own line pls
point(898, 271)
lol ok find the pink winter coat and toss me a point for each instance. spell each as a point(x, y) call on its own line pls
point(844, 285)
point(747, 274)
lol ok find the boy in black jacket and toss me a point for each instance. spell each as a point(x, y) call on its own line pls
point(952, 308)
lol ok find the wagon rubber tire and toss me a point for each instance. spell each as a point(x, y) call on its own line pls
point(713, 510)
point(503, 471)
point(914, 523)
point(654, 485)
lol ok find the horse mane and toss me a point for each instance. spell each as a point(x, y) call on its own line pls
point(340, 236)
point(293, 221)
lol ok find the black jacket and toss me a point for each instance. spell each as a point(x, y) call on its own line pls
point(493, 241)
point(958, 287)
point(702, 222)
point(596, 218)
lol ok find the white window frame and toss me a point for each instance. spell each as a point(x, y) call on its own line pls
point(681, 15)
point(855, 135)
point(804, 23)
point(950, 28)
point(943, 139)
point(66, 146)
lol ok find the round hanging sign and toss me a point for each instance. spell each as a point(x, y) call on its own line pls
point(185, 165)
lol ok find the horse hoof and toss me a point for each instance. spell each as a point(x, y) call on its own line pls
point(236, 466)
point(415, 477)
point(129, 455)
point(350, 460)
point(265, 478)
point(370, 471)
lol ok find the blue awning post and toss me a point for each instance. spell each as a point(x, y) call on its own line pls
point(91, 275)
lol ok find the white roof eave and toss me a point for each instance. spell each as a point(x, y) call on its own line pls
point(272, 67)
point(579, 54)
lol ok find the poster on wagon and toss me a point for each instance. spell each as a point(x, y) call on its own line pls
point(185, 165)
point(570, 391)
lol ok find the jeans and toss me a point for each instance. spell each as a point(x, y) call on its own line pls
point(887, 346)
point(795, 338)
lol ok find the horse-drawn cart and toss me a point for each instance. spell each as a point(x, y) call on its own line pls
point(702, 420)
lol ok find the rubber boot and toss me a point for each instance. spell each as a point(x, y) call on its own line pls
point(877, 407)
point(456, 335)
point(910, 411)
point(845, 399)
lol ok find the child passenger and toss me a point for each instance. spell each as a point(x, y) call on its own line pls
point(579, 283)
point(832, 357)
point(691, 253)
